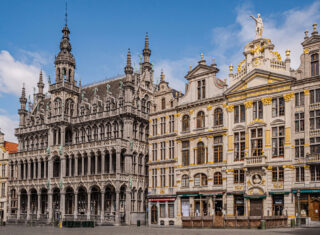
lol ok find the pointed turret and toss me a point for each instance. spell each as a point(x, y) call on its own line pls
point(146, 53)
point(128, 69)
point(40, 85)
point(22, 111)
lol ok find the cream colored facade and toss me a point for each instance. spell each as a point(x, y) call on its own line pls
point(249, 150)
point(4, 156)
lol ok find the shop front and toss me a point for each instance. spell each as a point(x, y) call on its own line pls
point(162, 211)
point(201, 209)
point(307, 204)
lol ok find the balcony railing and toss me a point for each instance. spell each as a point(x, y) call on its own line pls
point(313, 157)
point(256, 160)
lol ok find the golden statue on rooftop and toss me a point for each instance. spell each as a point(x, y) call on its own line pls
point(259, 26)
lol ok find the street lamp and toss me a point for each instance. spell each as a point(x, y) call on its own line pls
point(298, 217)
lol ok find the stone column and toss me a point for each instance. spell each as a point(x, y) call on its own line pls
point(19, 205)
point(127, 206)
point(63, 167)
point(38, 208)
point(39, 169)
point(76, 165)
point(102, 162)
point(75, 213)
point(102, 206)
point(70, 165)
point(62, 204)
point(117, 219)
point(111, 170)
point(29, 170)
point(89, 165)
point(89, 206)
point(118, 156)
point(82, 167)
point(9, 202)
point(96, 163)
point(28, 206)
point(50, 206)
point(19, 171)
point(49, 169)
point(35, 170)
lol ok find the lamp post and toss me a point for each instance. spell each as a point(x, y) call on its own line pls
point(298, 217)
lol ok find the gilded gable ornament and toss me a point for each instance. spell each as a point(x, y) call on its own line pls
point(266, 100)
point(288, 97)
point(248, 104)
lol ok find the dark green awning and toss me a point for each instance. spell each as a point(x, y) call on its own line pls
point(307, 191)
point(254, 196)
point(279, 193)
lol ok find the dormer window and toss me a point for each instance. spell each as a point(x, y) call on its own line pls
point(201, 89)
point(163, 103)
point(314, 64)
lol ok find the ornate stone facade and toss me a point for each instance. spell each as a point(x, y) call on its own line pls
point(250, 150)
point(83, 149)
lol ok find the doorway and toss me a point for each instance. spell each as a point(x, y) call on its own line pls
point(154, 214)
point(256, 207)
point(314, 210)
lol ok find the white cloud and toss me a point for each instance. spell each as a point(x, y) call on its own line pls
point(285, 29)
point(14, 73)
point(7, 124)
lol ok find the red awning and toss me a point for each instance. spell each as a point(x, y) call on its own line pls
point(161, 199)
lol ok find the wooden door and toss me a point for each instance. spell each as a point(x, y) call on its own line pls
point(256, 207)
point(315, 210)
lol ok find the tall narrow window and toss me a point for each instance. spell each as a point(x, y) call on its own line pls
point(200, 120)
point(203, 89)
point(239, 113)
point(278, 107)
point(218, 117)
point(257, 110)
point(185, 153)
point(278, 141)
point(163, 103)
point(171, 123)
point(238, 176)
point(163, 125)
point(186, 123)
point(315, 172)
point(171, 149)
point(163, 150)
point(218, 146)
point(217, 178)
point(314, 96)
point(299, 174)
point(299, 122)
point(154, 178)
point(200, 153)
point(239, 145)
point(154, 151)
point(154, 127)
point(199, 90)
point(185, 181)
point(256, 142)
point(299, 99)
point(277, 174)
point(171, 177)
point(299, 148)
point(315, 145)
point(163, 177)
point(315, 119)
point(314, 65)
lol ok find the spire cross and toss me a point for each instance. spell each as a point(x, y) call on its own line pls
point(66, 14)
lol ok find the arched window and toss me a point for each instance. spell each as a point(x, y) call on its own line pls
point(101, 127)
point(56, 167)
point(109, 131)
point(200, 120)
point(185, 181)
point(201, 159)
point(95, 132)
point(200, 180)
point(57, 106)
point(115, 130)
point(186, 123)
point(89, 134)
point(217, 178)
point(218, 117)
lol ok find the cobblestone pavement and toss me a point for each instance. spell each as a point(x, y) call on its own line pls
point(105, 230)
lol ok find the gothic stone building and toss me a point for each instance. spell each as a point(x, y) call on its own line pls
point(247, 151)
point(83, 149)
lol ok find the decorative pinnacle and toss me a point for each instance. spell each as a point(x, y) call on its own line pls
point(212, 60)
point(190, 67)
point(146, 43)
point(288, 53)
point(201, 55)
point(66, 14)
point(40, 79)
point(231, 68)
point(162, 76)
point(314, 27)
point(129, 58)
point(23, 93)
point(306, 34)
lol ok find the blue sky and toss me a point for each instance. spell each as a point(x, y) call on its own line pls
point(102, 32)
